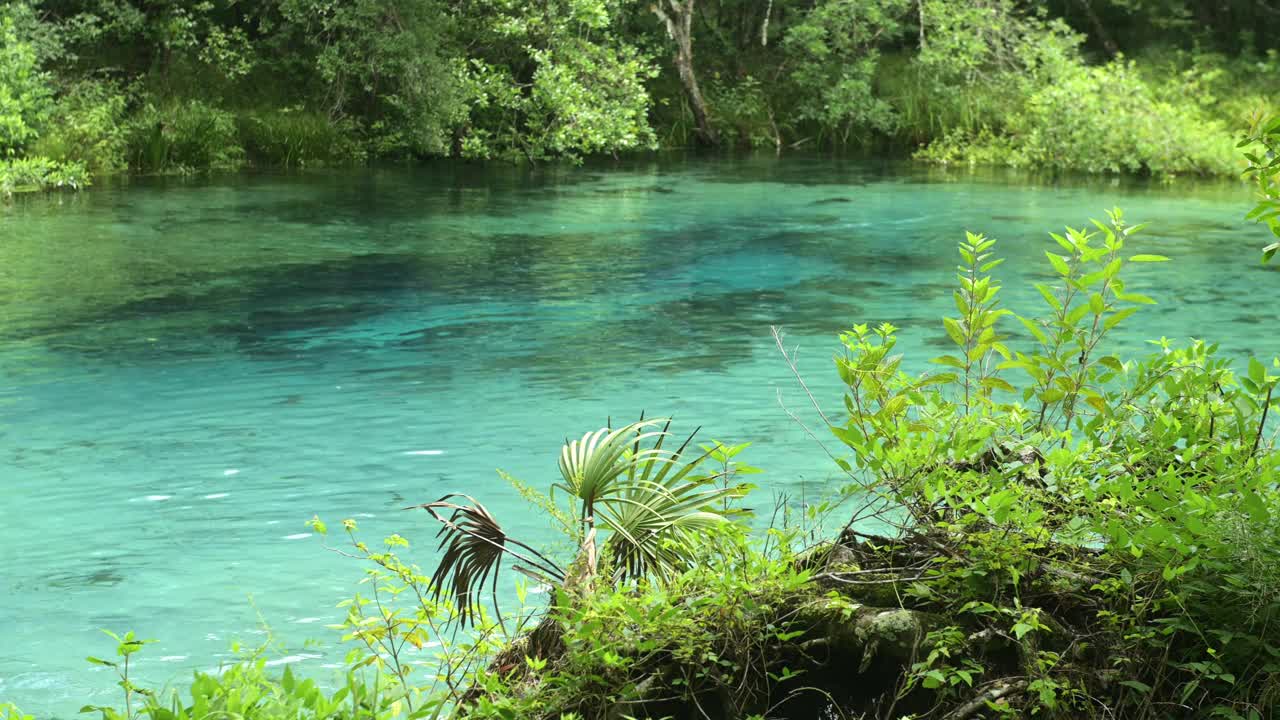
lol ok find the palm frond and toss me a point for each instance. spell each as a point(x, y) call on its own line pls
point(655, 516)
point(592, 465)
point(655, 526)
point(473, 546)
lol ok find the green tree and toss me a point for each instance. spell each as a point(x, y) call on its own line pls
point(390, 64)
point(833, 54)
point(552, 79)
point(25, 96)
point(677, 17)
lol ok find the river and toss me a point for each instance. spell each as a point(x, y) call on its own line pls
point(191, 369)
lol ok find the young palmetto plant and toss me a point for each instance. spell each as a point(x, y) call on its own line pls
point(641, 509)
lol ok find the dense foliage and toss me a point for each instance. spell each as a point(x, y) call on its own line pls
point(1151, 86)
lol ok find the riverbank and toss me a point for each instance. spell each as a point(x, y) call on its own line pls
point(307, 85)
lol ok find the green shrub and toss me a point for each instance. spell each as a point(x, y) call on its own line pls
point(183, 136)
point(294, 137)
point(743, 114)
point(243, 689)
point(88, 128)
point(1144, 491)
point(1262, 143)
point(1230, 89)
point(35, 174)
point(974, 67)
point(1099, 120)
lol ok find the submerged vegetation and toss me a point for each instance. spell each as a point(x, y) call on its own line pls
point(1157, 86)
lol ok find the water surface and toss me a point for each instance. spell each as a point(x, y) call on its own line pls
point(191, 370)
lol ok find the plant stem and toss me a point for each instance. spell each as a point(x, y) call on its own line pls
point(1266, 406)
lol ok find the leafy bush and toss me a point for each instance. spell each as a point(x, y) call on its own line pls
point(587, 98)
point(743, 116)
point(974, 67)
point(993, 84)
point(183, 136)
point(1263, 154)
point(833, 53)
point(88, 128)
point(388, 62)
point(35, 174)
point(244, 690)
point(1118, 525)
point(1099, 119)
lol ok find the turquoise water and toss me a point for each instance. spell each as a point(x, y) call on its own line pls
point(191, 370)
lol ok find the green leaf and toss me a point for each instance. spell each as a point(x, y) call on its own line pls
point(1135, 298)
point(1117, 317)
point(1148, 258)
point(1034, 329)
point(1053, 300)
point(954, 330)
point(1257, 371)
point(997, 384)
point(1256, 507)
point(1059, 263)
point(1137, 685)
point(1111, 362)
point(949, 361)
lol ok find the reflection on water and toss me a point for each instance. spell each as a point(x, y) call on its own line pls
point(190, 370)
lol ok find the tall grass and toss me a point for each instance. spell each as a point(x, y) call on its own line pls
point(182, 136)
point(925, 115)
point(295, 138)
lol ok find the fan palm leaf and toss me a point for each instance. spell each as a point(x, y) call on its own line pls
point(651, 501)
point(591, 466)
point(473, 545)
point(654, 514)
point(654, 527)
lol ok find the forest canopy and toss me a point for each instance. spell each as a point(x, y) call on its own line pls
point(1149, 86)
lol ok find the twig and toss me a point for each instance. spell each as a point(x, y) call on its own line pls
point(980, 703)
point(1266, 405)
point(777, 338)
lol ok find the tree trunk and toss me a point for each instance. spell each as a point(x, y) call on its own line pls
point(1101, 30)
point(679, 23)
